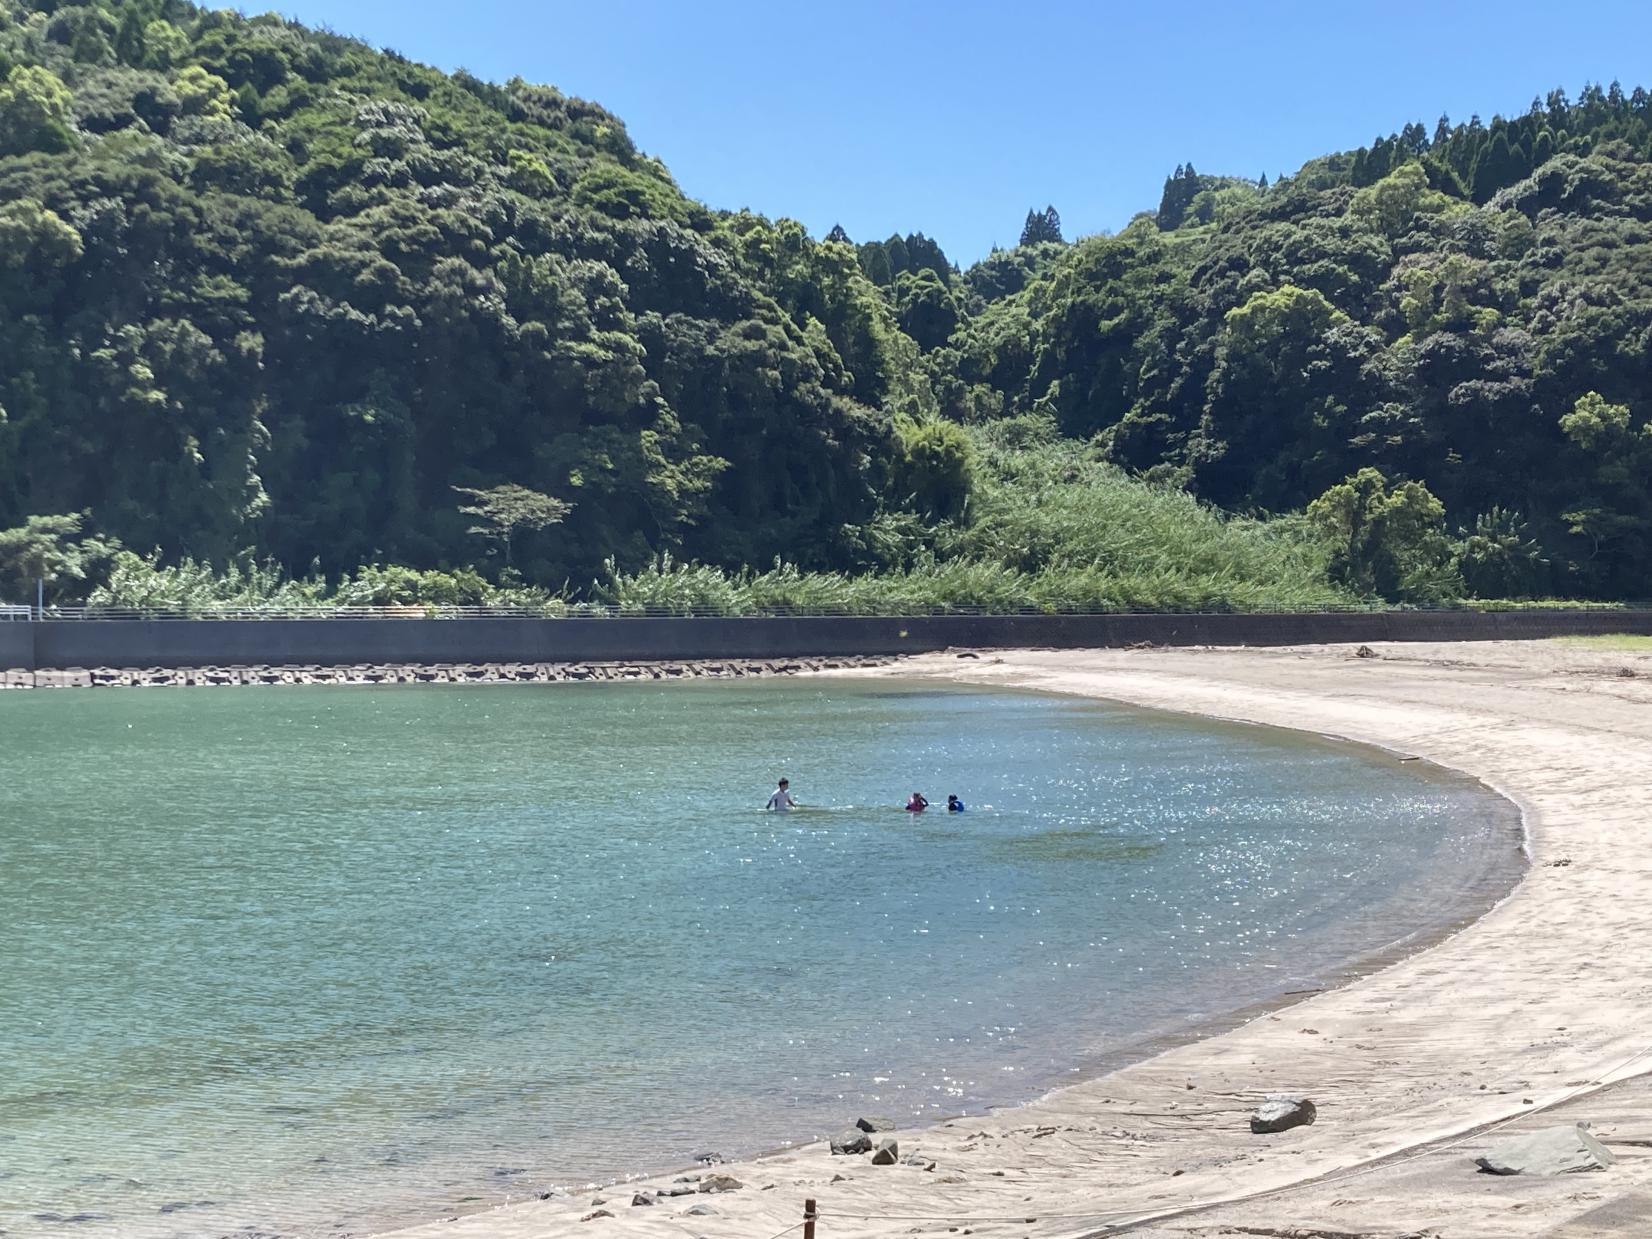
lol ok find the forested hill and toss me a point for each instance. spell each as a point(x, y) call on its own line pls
point(265, 291)
point(267, 286)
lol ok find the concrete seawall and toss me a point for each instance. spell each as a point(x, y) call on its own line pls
point(343, 642)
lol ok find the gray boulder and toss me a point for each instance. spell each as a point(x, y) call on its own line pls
point(852, 1142)
point(1281, 1113)
point(887, 1153)
point(875, 1124)
point(720, 1183)
point(642, 1198)
point(1552, 1151)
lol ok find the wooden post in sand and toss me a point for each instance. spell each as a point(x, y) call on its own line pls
point(809, 1218)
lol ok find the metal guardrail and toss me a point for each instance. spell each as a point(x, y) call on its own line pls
point(592, 611)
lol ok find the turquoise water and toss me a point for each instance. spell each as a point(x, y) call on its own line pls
point(298, 960)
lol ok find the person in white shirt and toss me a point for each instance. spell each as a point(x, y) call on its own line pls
point(782, 800)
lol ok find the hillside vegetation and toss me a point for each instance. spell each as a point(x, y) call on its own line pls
point(287, 316)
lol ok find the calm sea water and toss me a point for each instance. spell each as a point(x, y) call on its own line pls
point(308, 959)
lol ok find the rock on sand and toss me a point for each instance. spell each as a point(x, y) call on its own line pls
point(1280, 1113)
point(1554, 1150)
point(852, 1142)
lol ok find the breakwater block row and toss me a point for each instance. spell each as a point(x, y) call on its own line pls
point(435, 673)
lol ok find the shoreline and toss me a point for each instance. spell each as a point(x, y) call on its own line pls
point(252, 674)
point(1516, 1012)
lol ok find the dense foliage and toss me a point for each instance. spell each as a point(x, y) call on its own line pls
point(1470, 312)
point(1054, 527)
point(275, 306)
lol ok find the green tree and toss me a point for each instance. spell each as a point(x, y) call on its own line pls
point(926, 307)
point(530, 175)
point(51, 554)
point(164, 45)
point(1497, 165)
point(204, 94)
point(33, 238)
point(1608, 494)
point(505, 511)
point(1497, 559)
point(936, 470)
point(1041, 226)
point(1392, 203)
point(129, 41)
point(1280, 399)
point(1385, 541)
point(1180, 188)
point(36, 111)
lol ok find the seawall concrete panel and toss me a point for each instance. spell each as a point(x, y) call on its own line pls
point(334, 642)
point(16, 645)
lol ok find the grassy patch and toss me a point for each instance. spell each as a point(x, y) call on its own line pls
point(1611, 641)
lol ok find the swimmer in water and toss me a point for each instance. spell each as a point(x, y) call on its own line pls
point(954, 805)
point(917, 804)
point(781, 801)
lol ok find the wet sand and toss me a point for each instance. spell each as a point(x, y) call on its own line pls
point(1525, 1018)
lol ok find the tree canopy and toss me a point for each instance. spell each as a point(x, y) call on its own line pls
point(270, 296)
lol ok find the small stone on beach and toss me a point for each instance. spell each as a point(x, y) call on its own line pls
point(852, 1142)
point(1281, 1113)
point(887, 1153)
point(720, 1183)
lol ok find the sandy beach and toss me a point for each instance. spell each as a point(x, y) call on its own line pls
point(1537, 1014)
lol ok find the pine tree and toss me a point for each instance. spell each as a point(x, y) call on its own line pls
point(1360, 173)
point(1029, 230)
point(1179, 191)
point(922, 253)
point(1042, 226)
point(899, 259)
point(129, 41)
point(874, 262)
point(1494, 167)
point(838, 235)
point(1262, 181)
point(1543, 148)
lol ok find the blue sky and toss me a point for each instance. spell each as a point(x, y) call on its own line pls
point(953, 118)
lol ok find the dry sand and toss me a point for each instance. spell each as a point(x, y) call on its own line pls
point(1525, 1018)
